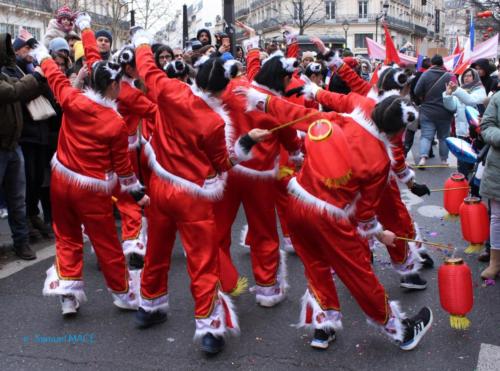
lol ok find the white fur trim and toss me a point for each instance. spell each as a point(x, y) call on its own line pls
point(266, 89)
point(406, 175)
point(129, 183)
point(283, 272)
point(212, 189)
point(310, 90)
point(255, 98)
point(406, 110)
point(412, 263)
point(201, 61)
point(152, 305)
point(251, 43)
point(269, 296)
point(129, 81)
point(133, 142)
point(374, 95)
point(418, 236)
point(99, 99)
point(240, 153)
point(321, 319)
point(296, 190)
point(256, 174)
point(360, 117)
point(135, 246)
point(83, 181)
point(369, 229)
point(218, 107)
point(394, 327)
point(216, 323)
point(131, 299)
point(55, 286)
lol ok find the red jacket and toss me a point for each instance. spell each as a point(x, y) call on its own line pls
point(346, 103)
point(188, 145)
point(92, 145)
point(370, 161)
point(264, 154)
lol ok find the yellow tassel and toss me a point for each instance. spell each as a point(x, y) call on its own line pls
point(474, 248)
point(459, 322)
point(241, 287)
point(451, 217)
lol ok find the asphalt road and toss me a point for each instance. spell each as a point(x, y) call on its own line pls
point(102, 337)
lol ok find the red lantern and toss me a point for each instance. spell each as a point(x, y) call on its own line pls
point(475, 224)
point(456, 189)
point(487, 14)
point(455, 291)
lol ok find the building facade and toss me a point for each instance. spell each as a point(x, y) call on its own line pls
point(34, 15)
point(412, 23)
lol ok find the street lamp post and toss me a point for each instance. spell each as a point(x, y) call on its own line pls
point(345, 26)
point(385, 7)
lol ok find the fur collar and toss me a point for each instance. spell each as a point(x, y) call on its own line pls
point(359, 116)
point(373, 94)
point(265, 88)
point(99, 99)
point(218, 107)
point(129, 80)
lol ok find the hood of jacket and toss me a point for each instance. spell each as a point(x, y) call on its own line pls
point(7, 55)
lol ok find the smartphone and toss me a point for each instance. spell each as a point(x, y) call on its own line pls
point(454, 79)
point(226, 41)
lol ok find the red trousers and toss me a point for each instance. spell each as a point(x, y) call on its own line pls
point(173, 210)
point(393, 214)
point(323, 243)
point(282, 197)
point(257, 197)
point(73, 206)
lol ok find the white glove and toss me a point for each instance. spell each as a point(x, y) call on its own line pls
point(141, 37)
point(290, 37)
point(335, 61)
point(251, 43)
point(83, 21)
point(40, 53)
point(256, 100)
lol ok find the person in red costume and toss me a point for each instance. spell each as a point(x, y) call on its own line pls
point(251, 183)
point(190, 151)
point(332, 215)
point(91, 159)
point(134, 106)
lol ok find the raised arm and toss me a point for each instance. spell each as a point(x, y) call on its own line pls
point(132, 100)
point(353, 80)
point(92, 54)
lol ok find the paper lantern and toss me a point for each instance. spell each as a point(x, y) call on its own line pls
point(455, 291)
point(475, 224)
point(456, 189)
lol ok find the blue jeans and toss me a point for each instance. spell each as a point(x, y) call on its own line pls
point(13, 181)
point(428, 130)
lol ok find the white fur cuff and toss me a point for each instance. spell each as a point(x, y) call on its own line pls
point(256, 100)
point(251, 43)
point(406, 175)
point(129, 183)
point(240, 152)
point(369, 228)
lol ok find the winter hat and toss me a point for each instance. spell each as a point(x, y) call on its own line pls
point(393, 114)
point(58, 44)
point(200, 31)
point(310, 55)
point(104, 33)
point(65, 12)
point(23, 38)
point(79, 51)
point(392, 79)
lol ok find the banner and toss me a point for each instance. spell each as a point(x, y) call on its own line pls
point(377, 51)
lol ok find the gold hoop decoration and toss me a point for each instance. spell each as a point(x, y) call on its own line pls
point(322, 136)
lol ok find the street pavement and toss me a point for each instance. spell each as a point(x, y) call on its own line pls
point(102, 337)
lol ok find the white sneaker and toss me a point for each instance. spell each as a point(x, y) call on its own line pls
point(423, 161)
point(133, 246)
point(288, 245)
point(69, 305)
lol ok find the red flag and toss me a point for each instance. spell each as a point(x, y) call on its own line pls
point(374, 79)
point(457, 47)
point(391, 54)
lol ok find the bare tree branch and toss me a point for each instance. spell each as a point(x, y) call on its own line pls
point(305, 13)
point(150, 12)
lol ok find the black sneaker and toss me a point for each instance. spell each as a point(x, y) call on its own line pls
point(413, 281)
point(415, 328)
point(145, 319)
point(44, 228)
point(136, 261)
point(211, 344)
point(25, 252)
point(427, 260)
point(322, 338)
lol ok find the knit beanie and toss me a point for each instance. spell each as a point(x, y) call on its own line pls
point(104, 33)
point(58, 44)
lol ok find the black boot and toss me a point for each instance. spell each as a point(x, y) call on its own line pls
point(44, 229)
point(145, 319)
point(136, 261)
point(25, 252)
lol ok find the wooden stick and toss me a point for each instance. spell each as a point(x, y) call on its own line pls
point(294, 121)
point(440, 245)
point(448, 189)
point(432, 166)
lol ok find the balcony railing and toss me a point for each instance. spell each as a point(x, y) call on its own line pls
point(242, 12)
point(108, 21)
point(256, 3)
point(41, 5)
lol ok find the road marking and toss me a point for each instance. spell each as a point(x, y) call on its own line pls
point(489, 358)
point(18, 265)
